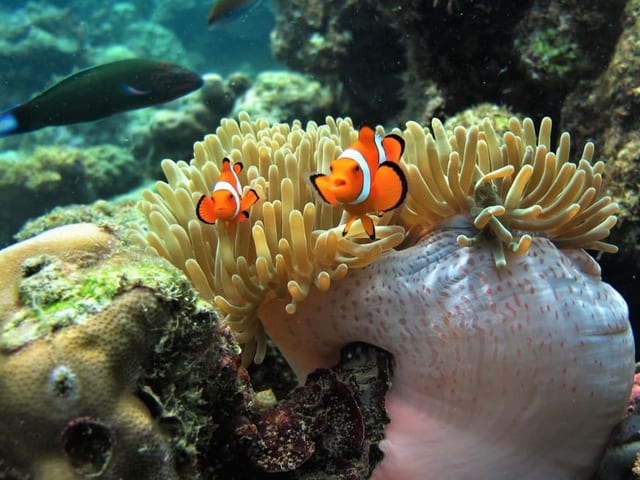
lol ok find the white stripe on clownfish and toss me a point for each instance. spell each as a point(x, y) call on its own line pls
point(228, 187)
point(356, 156)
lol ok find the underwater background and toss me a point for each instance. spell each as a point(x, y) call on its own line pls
point(375, 61)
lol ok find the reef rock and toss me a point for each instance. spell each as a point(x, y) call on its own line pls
point(93, 336)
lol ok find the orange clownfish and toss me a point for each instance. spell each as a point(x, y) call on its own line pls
point(226, 201)
point(365, 178)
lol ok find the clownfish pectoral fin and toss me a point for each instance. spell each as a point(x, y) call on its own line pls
point(205, 210)
point(243, 215)
point(320, 183)
point(368, 226)
point(393, 146)
point(237, 167)
point(248, 199)
point(389, 188)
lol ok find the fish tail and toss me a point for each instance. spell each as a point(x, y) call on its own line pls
point(8, 123)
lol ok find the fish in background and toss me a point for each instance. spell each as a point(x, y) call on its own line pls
point(99, 92)
point(228, 9)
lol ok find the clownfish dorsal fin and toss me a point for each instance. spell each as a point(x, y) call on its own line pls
point(226, 165)
point(237, 167)
point(366, 137)
point(366, 145)
point(393, 146)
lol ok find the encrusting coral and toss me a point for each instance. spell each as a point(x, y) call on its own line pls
point(80, 318)
point(68, 363)
point(510, 354)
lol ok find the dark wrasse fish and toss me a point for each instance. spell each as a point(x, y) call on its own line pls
point(226, 9)
point(101, 91)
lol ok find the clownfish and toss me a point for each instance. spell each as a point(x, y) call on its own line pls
point(226, 201)
point(365, 178)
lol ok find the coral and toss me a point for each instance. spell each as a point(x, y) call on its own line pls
point(328, 427)
point(489, 299)
point(97, 379)
point(606, 109)
point(621, 458)
point(61, 175)
point(419, 59)
point(347, 45)
point(285, 96)
point(100, 212)
point(71, 356)
point(34, 32)
point(560, 41)
point(72, 342)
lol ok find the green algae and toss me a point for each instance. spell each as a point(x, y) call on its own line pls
point(54, 294)
point(556, 51)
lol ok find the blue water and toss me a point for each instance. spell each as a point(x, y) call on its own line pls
point(42, 41)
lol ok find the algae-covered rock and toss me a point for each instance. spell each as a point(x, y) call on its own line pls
point(286, 96)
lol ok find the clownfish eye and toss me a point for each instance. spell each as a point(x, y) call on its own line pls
point(356, 169)
point(230, 196)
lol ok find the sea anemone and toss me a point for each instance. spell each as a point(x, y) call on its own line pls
point(292, 242)
point(512, 358)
